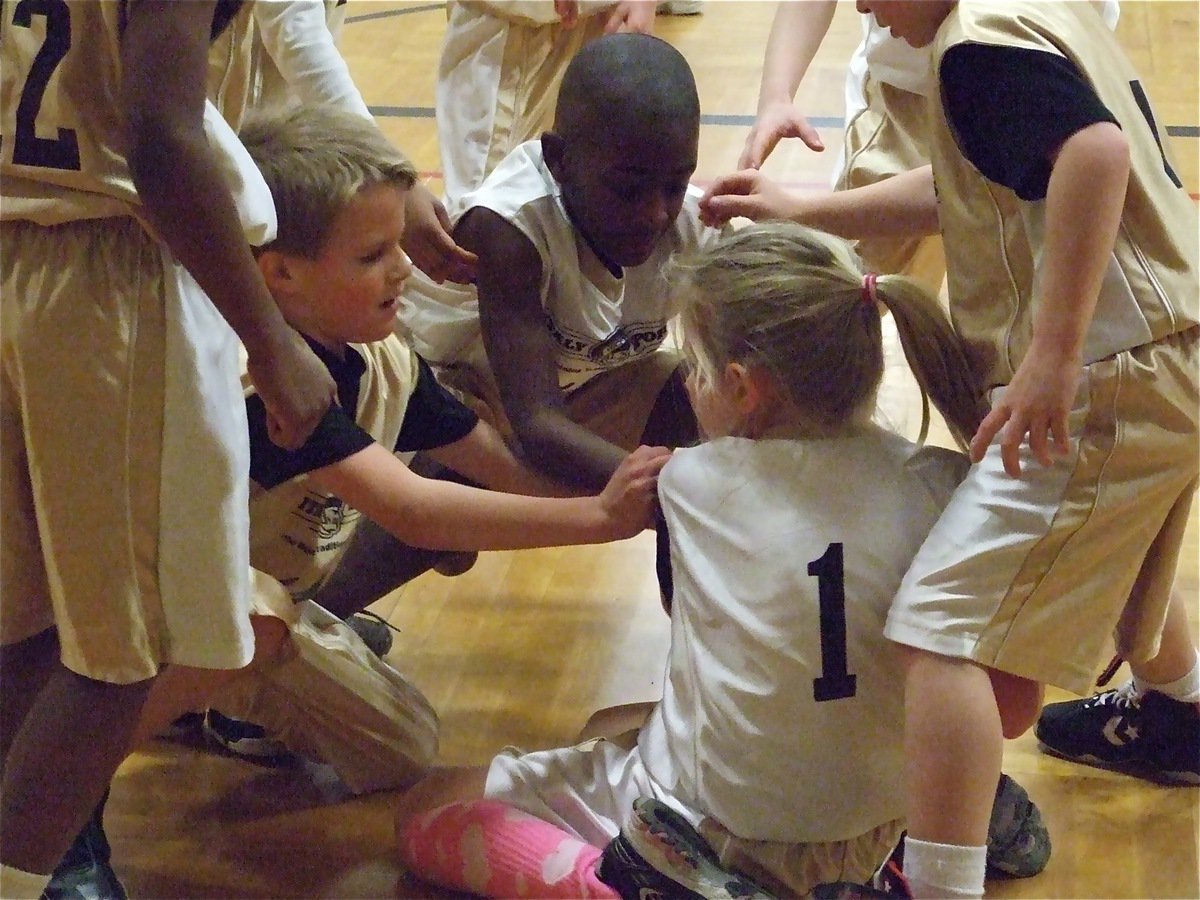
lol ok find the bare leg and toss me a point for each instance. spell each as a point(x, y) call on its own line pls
point(181, 689)
point(615, 720)
point(1019, 701)
point(1177, 651)
point(953, 744)
point(373, 566)
point(25, 667)
point(439, 787)
point(60, 762)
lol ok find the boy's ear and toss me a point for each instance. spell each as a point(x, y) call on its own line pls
point(553, 148)
point(276, 270)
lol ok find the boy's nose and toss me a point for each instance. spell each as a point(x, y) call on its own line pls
point(656, 211)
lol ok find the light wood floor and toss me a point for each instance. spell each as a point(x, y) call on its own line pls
point(522, 649)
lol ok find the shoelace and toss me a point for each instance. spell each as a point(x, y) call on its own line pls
point(1126, 696)
point(367, 614)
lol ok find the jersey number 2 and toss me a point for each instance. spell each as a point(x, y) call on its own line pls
point(835, 681)
point(29, 149)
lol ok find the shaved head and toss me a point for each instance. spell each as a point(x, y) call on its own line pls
point(625, 139)
point(627, 82)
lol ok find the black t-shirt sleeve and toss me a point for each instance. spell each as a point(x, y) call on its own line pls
point(1012, 108)
point(434, 417)
point(335, 438)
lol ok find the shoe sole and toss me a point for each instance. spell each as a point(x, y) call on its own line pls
point(706, 878)
point(1145, 771)
point(257, 749)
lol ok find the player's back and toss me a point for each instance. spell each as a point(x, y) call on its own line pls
point(782, 712)
point(62, 154)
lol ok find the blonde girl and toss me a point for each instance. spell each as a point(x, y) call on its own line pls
point(780, 730)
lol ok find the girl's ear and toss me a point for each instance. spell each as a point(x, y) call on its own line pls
point(750, 391)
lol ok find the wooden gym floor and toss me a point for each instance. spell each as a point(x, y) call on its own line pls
point(524, 647)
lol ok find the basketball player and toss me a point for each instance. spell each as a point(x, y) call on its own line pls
point(124, 446)
point(499, 71)
point(1091, 356)
point(560, 344)
point(284, 52)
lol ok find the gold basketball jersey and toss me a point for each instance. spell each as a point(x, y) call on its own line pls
point(61, 136)
point(1150, 289)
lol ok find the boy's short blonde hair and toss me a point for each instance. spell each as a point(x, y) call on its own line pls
point(315, 159)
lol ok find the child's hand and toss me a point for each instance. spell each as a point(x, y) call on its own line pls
point(631, 16)
point(629, 497)
point(427, 239)
point(1036, 403)
point(567, 11)
point(296, 389)
point(746, 193)
point(775, 122)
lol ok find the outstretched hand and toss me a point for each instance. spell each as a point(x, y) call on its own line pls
point(628, 500)
point(427, 239)
point(774, 123)
point(747, 193)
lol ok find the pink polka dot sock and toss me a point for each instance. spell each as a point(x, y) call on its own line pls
point(495, 850)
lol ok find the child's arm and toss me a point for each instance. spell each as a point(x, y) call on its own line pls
point(796, 33)
point(903, 205)
point(1084, 200)
point(164, 53)
point(523, 355)
point(484, 457)
point(441, 515)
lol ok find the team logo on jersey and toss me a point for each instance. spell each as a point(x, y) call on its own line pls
point(628, 341)
point(324, 515)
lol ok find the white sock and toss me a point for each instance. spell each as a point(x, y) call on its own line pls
point(1185, 689)
point(17, 884)
point(944, 870)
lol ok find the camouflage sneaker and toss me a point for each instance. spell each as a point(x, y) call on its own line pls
point(1018, 844)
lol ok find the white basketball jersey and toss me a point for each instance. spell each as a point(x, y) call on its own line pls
point(598, 320)
point(783, 709)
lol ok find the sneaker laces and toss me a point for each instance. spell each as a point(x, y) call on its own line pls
point(367, 614)
point(1124, 697)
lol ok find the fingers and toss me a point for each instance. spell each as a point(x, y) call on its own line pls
point(809, 135)
point(434, 252)
point(759, 145)
point(1049, 437)
point(288, 437)
point(568, 12)
point(729, 196)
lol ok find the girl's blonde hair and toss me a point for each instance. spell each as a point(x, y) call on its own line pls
point(315, 158)
point(793, 301)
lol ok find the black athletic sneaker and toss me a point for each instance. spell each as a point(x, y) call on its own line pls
point(1018, 844)
point(374, 630)
point(85, 872)
point(659, 856)
point(245, 739)
point(1151, 735)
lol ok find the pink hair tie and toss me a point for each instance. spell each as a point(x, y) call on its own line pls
point(868, 288)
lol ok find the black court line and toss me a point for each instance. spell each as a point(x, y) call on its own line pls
point(387, 14)
point(718, 119)
point(427, 112)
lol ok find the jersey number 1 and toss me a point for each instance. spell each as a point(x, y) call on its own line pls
point(29, 149)
point(835, 681)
